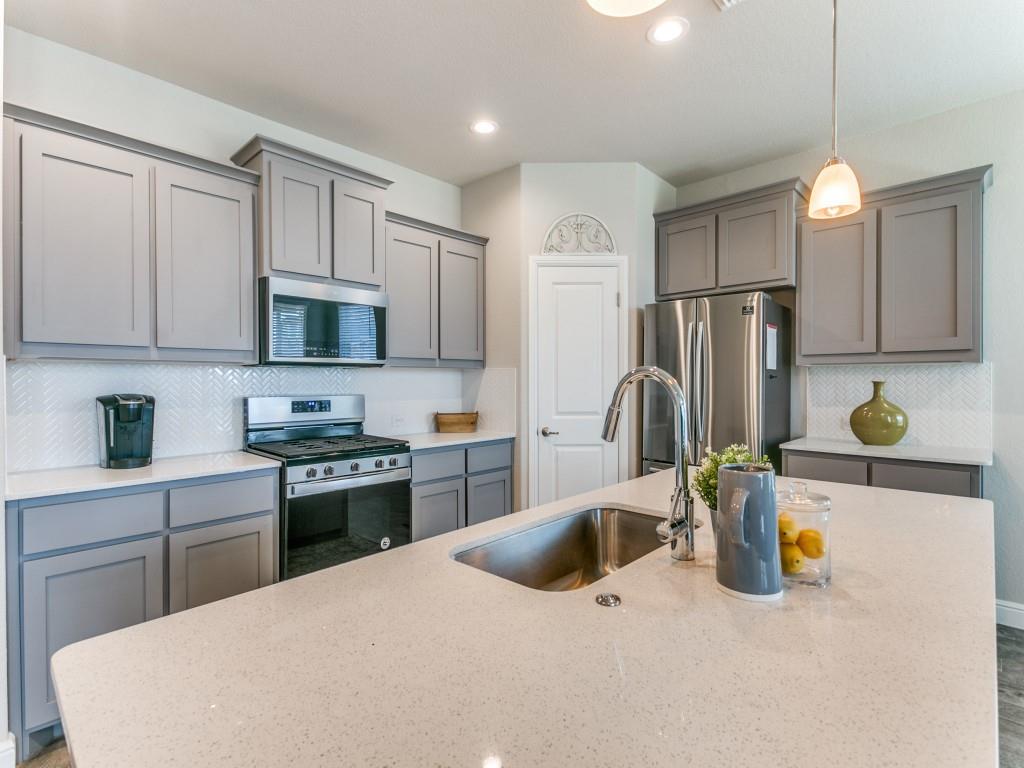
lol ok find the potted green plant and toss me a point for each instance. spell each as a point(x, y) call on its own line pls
point(705, 479)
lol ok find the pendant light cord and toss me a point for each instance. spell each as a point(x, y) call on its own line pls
point(835, 81)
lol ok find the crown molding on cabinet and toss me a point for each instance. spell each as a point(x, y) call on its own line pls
point(259, 143)
point(747, 196)
point(399, 218)
point(53, 122)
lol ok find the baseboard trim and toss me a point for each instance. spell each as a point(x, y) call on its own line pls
point(8, 753)
point(1010, 614)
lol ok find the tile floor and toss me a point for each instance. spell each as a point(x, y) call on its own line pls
point(1011, 708)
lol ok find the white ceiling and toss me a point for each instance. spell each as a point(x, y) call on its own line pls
point(402, 78)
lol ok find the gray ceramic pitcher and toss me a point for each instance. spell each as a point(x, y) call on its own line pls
point(747, 534)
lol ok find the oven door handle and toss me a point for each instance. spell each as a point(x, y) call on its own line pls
point(296, 490)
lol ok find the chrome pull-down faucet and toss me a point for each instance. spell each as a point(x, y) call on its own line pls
point(677, 528)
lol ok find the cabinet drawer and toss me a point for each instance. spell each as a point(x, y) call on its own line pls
point(826, 469)
point(215, 501)
point(77, 523)
point(907, 477)
point(488, 457)
point(435, 466)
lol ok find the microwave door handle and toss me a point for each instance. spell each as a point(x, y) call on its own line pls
point(297, 490)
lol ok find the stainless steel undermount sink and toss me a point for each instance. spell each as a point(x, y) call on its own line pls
point(569, 553)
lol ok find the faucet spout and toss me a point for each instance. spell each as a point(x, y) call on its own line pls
point(678, 527)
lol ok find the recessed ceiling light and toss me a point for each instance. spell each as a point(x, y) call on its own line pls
point(483, 127)
point(621, 8)
point(668, 30)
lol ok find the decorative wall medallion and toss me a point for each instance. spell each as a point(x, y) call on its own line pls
point(578, 233)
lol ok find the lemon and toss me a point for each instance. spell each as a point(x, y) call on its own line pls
point(811, 543)
point(788, 530)
point(792, 558)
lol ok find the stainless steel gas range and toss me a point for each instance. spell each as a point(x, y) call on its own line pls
point(344, 494)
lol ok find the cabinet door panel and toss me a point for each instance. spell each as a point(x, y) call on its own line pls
point(686, 255)
point(358, 232)
point(207, 564)
point(952, 481)
point(204, 260)
point(85, 241)
point(438, 508)
point(461, 300)
point(488, 496)
point(412, 272)
point(80, 595)
point(827, 470)
point(838, 280)
point(300, 224)
point(930, 265)
point(754, 243)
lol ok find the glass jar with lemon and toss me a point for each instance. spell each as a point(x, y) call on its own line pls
point(803, 535)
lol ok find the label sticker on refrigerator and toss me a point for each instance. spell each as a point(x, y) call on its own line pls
point(748, 309)
point(771, 346)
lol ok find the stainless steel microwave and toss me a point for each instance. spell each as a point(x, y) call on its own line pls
point(305, 323)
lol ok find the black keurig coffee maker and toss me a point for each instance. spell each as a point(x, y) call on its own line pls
point(126, 430)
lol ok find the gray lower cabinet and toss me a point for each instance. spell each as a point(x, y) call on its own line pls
point(84, 564)
point(435, 280)
point(438, 508)
point(453, 487)
point(898, 282)
point(927, 477)
point(107, 238)
point(72, 597)
point(488, 496)
point(218, 561)
point(205, 271)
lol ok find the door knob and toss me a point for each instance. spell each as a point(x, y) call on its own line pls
point(547, 432)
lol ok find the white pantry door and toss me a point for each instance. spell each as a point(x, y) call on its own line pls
point(577, 368)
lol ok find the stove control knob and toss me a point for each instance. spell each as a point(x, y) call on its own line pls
point(379, 464)
point(393, 462)
point(311, 472)
point(328, 470)
point(354, 466)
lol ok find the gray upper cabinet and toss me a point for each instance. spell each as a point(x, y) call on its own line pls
point(412, 277)
point(898, 282)
point(461, 300)
point(319, 217)
point(358, 232)
point(838, 282)
point(686, 256)
point(300, 218)
point(746, 240)
point(85, 241)
point(72, 597)
point(115, 249)
point(436, 286)
point(204, 260)
point(756, 242)
point(930, 273)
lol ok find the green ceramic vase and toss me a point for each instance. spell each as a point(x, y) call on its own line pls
point(879, 422)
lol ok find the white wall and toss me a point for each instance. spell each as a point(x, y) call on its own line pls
point(991, 131)
point(53, 78)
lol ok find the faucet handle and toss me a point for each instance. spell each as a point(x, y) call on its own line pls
point(670, 531)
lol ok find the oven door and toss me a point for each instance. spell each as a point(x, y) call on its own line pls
point(329, 522)
point(304, 322)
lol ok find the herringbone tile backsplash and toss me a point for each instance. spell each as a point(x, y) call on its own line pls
point(51, 414)
point(948, 405)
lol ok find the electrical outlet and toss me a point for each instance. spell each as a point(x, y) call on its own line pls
point(397, 422)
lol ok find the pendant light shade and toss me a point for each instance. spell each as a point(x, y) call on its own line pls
point(620, 8)
point(836, 191)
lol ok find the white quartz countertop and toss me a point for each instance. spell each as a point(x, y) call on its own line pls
point(426, 440)
point(49, 482)
point(409, 658)
point(979, 457)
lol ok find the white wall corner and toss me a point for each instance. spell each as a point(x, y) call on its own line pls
point(7, 752)
point(1010, 614)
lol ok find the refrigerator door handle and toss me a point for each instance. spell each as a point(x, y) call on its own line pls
point(700, 391)
point(691, 390)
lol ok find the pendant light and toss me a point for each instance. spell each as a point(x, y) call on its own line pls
point(836, 191)
point(622, 8)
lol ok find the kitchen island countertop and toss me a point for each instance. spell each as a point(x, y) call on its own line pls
point(409, 658)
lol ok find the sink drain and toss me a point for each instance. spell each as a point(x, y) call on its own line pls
point(608, 600)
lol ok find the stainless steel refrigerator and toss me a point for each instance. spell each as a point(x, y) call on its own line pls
point(732, 356)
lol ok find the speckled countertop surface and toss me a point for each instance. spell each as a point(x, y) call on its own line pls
point(427, 440)
point(409, 658)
